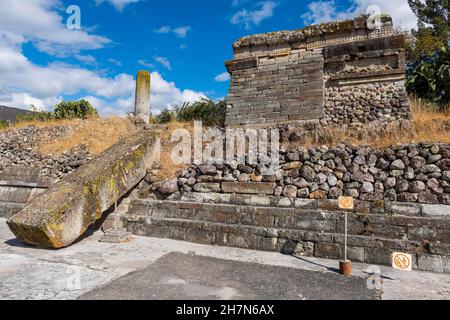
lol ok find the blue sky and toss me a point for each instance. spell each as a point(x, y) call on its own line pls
point(183, 43)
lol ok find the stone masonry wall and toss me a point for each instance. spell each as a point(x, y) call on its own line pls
point(304, 228)
point(340, 73)
point(279, 89)
point(417, 173)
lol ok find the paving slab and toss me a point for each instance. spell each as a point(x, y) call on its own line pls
point(90, 267)
point(188, 277)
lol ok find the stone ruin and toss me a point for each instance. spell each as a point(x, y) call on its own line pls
point(338, 73)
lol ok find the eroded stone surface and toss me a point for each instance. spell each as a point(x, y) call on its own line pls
point(62, 214)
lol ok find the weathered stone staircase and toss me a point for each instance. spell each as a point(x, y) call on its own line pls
point(18, 185)
point(304, 227)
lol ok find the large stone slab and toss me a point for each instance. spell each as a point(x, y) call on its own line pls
point(62, 214)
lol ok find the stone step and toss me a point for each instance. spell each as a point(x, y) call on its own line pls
point(366, 249)
point(19, 194)
point(8, 209)
point(313, 232)
point(396, 227)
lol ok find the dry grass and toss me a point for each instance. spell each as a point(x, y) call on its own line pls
point(97, 134)
point(100, 133)
point(428, 125)
point(167, 169)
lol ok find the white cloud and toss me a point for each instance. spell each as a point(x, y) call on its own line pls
point(118, 4)
point(144, 63)
point(25, 101)
point(38, 21)
point(164, 94)
point(323, 11)
point(116, 62)
point(237, 3)
point(180, 32)
point(223, 77)
point(247, 19)
point(23, 82)
point(164, 62)
point(87, 59)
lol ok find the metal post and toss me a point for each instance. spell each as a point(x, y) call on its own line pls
point(346, 238)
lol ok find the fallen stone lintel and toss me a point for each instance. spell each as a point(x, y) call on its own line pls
point(59, 216)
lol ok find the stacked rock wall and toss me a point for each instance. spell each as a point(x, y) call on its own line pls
point(341, 73)
point(416, 173)
point(18, 150)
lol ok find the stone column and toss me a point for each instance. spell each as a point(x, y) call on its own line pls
point(142, 104)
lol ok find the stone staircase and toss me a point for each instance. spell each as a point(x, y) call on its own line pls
point(306, 227)
point(18, 186)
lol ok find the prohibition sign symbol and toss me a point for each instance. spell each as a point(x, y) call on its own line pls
point(402, 261)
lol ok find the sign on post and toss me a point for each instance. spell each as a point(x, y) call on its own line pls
point(345, 266)
point(346, 203)
point(402, 261)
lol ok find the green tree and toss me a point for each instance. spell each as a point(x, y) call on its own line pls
point(431, 78)
point(432, 31)
point(434, 13)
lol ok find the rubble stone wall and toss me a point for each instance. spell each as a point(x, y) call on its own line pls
point(414, 173)
point(18, 150)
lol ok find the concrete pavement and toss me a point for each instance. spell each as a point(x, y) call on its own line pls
point(149, 268)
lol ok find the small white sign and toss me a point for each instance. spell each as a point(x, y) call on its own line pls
point(402, 261)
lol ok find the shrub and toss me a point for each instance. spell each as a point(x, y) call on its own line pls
point(64, 110)
point(3, 124)
point(166, 116)
point(35, 116)
point(209, 112)
point(430, 80)
point(74, 109)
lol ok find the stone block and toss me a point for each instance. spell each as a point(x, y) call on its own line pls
point(439, 248)
point(304, 249)
point(405, 209)
point(355, 254)
point(327, 250)
point(378, 255)
point(446, 263)
point(429, 262)
point(207, 187)
point(435, 210)
point(248, 187)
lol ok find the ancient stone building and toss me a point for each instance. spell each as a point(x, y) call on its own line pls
point(342, 73)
